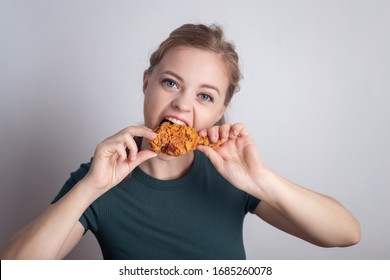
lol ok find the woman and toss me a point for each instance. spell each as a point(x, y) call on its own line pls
point(141, 205)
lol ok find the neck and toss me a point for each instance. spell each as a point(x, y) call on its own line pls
point(165, 167)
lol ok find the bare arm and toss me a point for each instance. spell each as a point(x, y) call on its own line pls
point(55, 232)
point(311, 216)
point(46, 236)
point(73, 239)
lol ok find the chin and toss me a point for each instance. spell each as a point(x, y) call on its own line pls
point(165, 157)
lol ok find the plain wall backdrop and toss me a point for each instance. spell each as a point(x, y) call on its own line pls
point(315, 96)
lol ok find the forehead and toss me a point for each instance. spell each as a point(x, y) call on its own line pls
point(196, 65)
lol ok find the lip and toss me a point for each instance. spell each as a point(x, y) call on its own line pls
point(176, 117)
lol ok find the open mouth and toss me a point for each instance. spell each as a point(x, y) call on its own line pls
point(173, 121)
point(175, 138)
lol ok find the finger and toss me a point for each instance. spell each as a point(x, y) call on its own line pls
point(123, 144)
point(213, 133)
point(202, 133)
point(108, 148)
point(140, 131)
point(149, 135)
point(131, 146)
point(120, 150)
point(143, 156)
point(224, 131)
point(241, 129)
point(214, 157)
point(237, 130)
point(127, 134)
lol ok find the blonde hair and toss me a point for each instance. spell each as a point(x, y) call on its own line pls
point(206, 38)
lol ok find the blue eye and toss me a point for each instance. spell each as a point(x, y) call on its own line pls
point(206, 97)
point(170, 83)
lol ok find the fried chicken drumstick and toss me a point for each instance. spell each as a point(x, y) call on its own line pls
point(176, 140)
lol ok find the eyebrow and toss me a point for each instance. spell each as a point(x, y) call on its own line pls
point(181, 80)
point(173, 74)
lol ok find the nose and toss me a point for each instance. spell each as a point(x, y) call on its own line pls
point(183, 102)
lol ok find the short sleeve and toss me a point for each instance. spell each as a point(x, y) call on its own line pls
point(88, 219)
point(251, 203)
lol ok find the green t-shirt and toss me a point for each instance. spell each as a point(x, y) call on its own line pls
point(198, 216)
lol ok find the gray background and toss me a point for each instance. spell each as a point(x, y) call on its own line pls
point(315, 96)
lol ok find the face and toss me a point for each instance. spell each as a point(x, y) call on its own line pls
point(188, 86)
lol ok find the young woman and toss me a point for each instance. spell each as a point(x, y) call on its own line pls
point(141, 205)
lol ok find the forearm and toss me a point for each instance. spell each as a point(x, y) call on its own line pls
point(316, 217)
point(45, 236)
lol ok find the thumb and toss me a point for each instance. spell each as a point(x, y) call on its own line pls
point(143, 156)
point(213, 156)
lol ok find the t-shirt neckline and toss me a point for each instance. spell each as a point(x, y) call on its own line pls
point(165, 185)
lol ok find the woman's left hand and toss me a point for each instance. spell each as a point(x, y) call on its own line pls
point(309, 215)
point(238, 159)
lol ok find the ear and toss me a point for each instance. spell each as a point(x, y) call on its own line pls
point(145, 83)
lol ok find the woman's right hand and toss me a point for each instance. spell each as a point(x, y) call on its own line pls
point(57, 230)
point(117, 156)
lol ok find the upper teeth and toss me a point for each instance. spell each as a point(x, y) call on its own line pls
point(176, 121)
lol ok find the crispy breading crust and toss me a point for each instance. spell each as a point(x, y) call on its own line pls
point(176, 140)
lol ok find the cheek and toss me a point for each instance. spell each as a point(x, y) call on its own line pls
point(206, 119)
point(149, 108)
point(153, 107)
point(150, 100)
